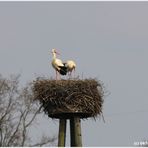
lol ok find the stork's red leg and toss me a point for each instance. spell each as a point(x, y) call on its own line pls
point(59, 76)
point(56, 75)
point(70, 74)
point(74, 70)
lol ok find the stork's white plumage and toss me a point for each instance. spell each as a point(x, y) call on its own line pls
point(58, 65)
point(71, 65)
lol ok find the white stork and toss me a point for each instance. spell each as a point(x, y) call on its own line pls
point(71, 66)
point(58, 64)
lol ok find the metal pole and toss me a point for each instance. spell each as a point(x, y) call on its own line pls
point(62, 133)
point(75, 131)
point(72, 132)
point(78, 135)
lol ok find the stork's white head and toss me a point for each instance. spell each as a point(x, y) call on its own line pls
point(54, 51)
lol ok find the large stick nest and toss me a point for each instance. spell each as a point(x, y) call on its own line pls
point(68, 98)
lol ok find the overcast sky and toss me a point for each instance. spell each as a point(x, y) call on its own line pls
point(108, 41)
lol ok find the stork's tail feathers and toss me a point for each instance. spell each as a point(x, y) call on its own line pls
point(63, 70)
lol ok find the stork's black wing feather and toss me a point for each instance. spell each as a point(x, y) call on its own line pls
point(63, 70)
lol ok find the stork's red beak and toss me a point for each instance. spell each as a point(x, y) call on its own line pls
point(57, 52)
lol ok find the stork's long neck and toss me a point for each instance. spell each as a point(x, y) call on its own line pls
point(54, 55)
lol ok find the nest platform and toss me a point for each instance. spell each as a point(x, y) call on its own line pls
point(68, 98)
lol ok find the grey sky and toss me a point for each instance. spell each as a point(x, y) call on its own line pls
point(108, 40)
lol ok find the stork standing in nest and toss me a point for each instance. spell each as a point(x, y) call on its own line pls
point(58, 65)
point(71, 66)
